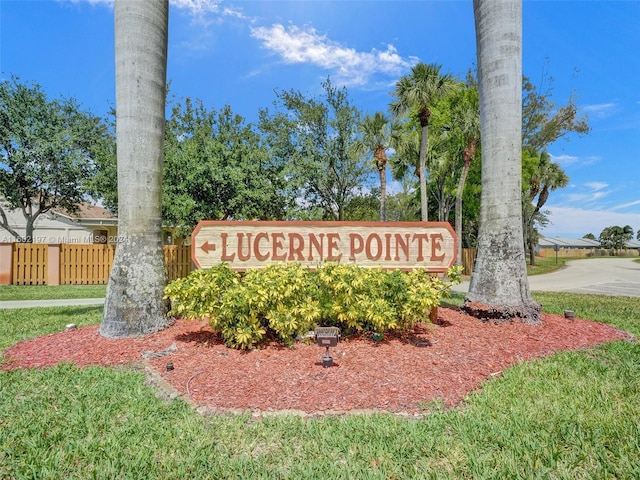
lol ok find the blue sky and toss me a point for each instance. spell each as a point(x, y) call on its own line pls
point(237, 53)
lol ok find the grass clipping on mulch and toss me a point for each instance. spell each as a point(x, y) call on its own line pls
point(439, 362)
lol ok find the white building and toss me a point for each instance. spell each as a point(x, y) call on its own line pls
point(90, 224)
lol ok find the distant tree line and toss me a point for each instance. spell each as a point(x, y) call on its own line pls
point(614, 237)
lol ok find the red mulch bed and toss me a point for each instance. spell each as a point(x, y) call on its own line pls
point(444, 361)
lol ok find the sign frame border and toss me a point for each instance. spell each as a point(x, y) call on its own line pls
point(328, 223)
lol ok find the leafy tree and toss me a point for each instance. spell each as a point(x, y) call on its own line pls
point(405, 161)
point(615, 237)
point(589, 236)
point(134, 302)
point(454, 144)
point(466, 124)
point(471, 201)
point(546, 177)
point(455, 121)
point(316, 138)
point(378, 134)
point(543, 123)
point(627, 234)
point(415, 93)
point(499, 287)
point(403, 206)
point(47, 152)
point(364, 207)
point(216, 168)
point(103, 183)
point(443, 171)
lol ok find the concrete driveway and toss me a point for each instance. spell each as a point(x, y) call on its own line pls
point(604, 276)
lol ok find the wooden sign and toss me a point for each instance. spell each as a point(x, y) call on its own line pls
point(392, 245)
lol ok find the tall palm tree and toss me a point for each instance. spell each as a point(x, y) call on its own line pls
point(467, 120)
point(378, 133)
point(134, 304)
point(499, 288)
point(415, 93)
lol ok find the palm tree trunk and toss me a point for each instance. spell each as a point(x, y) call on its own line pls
point(134, 303)
point(424, 142)
point(383, 195)
point(380, 159)
point(469, 152)
point(499, 288)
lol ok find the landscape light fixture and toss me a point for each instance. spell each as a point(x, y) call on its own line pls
point(327, 337)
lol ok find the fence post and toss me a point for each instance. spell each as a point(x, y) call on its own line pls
point(6, 263)
point(53, 264)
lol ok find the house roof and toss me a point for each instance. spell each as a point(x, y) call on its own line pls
point(568, 242)
point(88, 214)
point(578, 242)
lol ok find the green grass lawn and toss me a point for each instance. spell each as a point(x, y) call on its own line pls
point(47, 292)
point(572, 415)
point(23, 323)
point(546, 265)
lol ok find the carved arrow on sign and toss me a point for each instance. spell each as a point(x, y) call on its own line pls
point(207, 247)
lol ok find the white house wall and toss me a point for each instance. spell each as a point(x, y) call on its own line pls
point(50, 229)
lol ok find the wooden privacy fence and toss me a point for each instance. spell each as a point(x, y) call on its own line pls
point(76, 264)
point(586, 252)
point(29, 263)
point(468, 259)
point(85, 264)
point(177, 259)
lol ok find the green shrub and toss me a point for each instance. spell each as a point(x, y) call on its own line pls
point(239, 318)
point(283, 301)
point(357, 298)
point(276, 299)
point(199, 295)
point(424, 292)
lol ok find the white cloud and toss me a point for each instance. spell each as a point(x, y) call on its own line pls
point(601, 110)
point(197, 7)
point(591, 160)
point(626, 205)
point(599, 107)
point(586, 194)
point(568, 160)
point(564, 160)
point(576, 222)
point(596, 186)
point(108, 3)
point(306, 45)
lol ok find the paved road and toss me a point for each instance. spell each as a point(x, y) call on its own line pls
point(604, 276)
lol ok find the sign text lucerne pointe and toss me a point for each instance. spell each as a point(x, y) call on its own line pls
point(393, 245)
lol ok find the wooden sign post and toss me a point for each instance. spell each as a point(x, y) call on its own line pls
point(392, 245)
